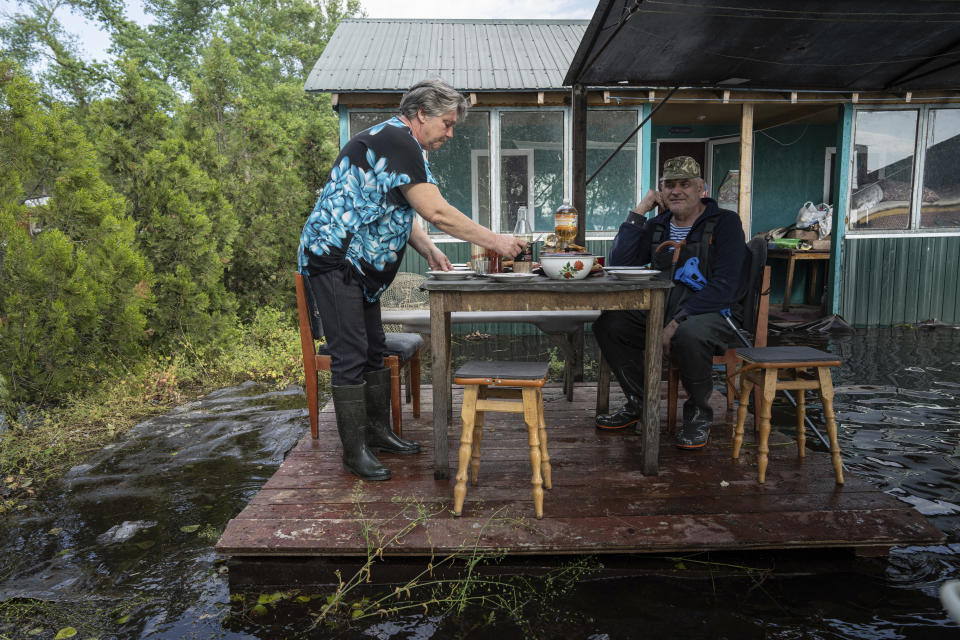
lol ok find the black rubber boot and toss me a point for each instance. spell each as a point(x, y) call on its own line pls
point(380, 435)
point(351, 410)
point(630, 378)
point(631, 412)
point(697, 415)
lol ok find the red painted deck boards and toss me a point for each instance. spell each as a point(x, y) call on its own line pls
point(600, 502)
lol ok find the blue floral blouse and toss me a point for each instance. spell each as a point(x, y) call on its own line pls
point(362, 221)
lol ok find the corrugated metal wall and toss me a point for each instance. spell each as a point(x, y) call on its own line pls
point(892, 281)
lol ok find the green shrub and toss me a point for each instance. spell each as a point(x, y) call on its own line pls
point(72, 295)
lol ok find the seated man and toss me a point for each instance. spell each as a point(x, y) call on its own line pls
point(695, 329)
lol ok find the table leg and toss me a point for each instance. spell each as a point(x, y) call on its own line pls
point(440, 373)
point(653, 352)
point(791, 263)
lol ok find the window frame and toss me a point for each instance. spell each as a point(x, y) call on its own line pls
point(917, 173)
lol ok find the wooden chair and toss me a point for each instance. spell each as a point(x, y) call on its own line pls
point(762, 369)
point(403, 350)
point(512, 387)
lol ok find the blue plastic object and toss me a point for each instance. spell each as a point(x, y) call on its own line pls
point(689, 274)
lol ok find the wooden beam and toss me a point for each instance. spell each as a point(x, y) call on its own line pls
point(746, 167)
point(473, 99)
point(578, 116)
point(540, 97)
point(334, 99)
point(792, 116)
point(606, 97)
point(726, 96)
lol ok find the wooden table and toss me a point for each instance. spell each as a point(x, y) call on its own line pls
point(792, 256)
point(543, 294)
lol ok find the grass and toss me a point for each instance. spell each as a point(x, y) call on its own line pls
point(42, 443)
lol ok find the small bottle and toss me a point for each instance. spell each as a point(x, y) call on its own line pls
point(565, 225)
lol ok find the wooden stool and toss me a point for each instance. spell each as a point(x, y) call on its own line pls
point(762, 368)
point(511, 387)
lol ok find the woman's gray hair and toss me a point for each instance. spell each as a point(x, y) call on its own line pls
point(435, 97)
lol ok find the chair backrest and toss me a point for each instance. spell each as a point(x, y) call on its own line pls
point(405, 293)
point(756, 299)
point(309, 321)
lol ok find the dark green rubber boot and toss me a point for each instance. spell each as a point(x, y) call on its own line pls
point(631, 413)
point(351, 410)
point(380, 435)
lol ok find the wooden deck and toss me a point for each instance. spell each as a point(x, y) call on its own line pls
point(600, 501)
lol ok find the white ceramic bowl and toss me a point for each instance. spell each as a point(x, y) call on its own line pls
point(566, 266)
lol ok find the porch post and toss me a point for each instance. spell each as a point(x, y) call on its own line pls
point(841, 204)
point(343, 117)
point(744, 200)
point(578, 117)
point(647, 172)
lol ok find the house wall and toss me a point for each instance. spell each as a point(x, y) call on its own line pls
point(900, 280)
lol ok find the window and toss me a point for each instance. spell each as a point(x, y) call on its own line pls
point(522, 134)
point(462, 183)
point(614, 191)
point(940, 202)
point(883, 169)
point(889, 164)
point(360, 120)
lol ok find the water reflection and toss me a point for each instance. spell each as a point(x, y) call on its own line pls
point(129, 534)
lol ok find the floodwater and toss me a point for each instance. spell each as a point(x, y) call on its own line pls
point(122, 548)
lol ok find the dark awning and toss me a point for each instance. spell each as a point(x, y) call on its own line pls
point(846, 45)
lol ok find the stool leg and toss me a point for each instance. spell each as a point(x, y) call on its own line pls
point(466, 439)
point(769, 391)
point(542, 433)
point(746, 386)
point(826, 393)
point(801, 430)
point(477, 438)
point(530, 416)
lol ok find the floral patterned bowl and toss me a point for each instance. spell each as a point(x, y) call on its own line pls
point(566, 266)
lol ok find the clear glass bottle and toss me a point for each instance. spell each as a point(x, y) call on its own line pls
point(523, 231)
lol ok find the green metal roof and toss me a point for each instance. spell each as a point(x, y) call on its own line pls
point(471, 55)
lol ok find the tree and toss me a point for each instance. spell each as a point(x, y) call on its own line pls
point(73, 288)
point(185, 225)
point(36, 39)
point(269, 144)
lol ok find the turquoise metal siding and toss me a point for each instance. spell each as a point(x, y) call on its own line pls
point(892, 281)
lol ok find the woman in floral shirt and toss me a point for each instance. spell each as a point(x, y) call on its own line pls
point(351, 248)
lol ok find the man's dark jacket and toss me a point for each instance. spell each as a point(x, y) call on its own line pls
point(726, 273)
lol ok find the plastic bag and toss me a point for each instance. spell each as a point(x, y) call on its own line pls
point(808, 216)
point(826, 223)
point(820, 215)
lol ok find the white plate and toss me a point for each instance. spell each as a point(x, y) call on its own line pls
point(631, 274)
point(629, 268)
point(456, 274)
point(512, 277)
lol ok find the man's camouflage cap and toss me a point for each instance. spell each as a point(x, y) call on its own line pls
point(680, 168)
